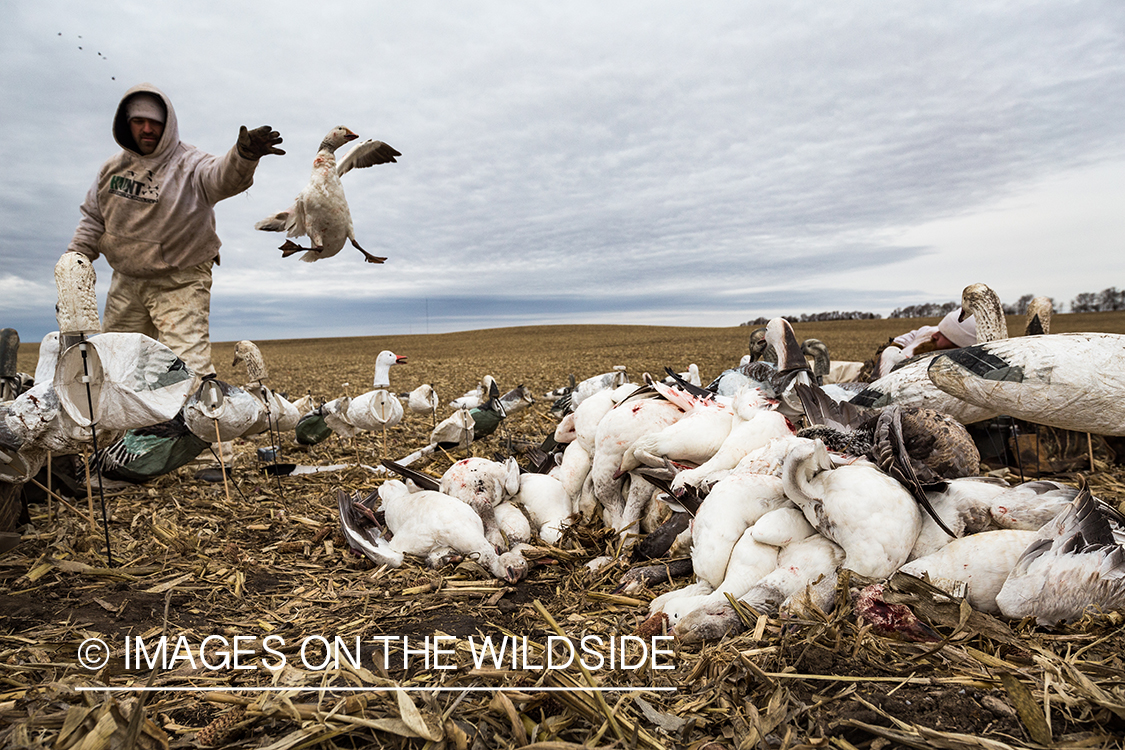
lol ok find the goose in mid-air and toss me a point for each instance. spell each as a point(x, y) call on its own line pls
point(321, 210)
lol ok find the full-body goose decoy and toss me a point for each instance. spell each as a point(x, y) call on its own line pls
point(321, 210)
point(424, 400)
point(1073, 381)
point(911, 385)
point(378, 410)
point(1038, 317)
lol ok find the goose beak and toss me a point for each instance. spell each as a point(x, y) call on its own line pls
point(350, 136)
point(400, 360)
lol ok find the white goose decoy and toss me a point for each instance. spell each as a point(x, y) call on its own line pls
point(379, 409)
point(1075, 564)
point(911, 385)
point(321, 210)
point(1073, 381)
point(872, 516)
point(432, 525)
point(219, 412)
point(1038, 321)
point(472, 399)
point(278, 413)
point(424, 400)
point(516, 400)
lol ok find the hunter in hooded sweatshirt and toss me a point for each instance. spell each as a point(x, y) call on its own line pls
point(151, 214)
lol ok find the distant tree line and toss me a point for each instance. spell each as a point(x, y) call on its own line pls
point(817, 317)
point(1103, 301)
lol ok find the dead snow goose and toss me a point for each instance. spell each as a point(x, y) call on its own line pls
point(321, 210)
point(871, 515)
point(980, 561)
point(1076, 563)
point(436, 526)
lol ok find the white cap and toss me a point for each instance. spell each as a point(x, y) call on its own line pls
point(962, 333)
point(147, 106)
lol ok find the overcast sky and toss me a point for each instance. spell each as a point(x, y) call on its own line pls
point(662, 163)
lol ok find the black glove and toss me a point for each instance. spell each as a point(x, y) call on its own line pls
point(256, 143)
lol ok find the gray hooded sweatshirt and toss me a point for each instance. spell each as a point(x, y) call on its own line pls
point(152, 215)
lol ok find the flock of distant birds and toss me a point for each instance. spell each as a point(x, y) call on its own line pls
point(762, 485)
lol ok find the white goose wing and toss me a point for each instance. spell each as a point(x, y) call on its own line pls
point(366, 154)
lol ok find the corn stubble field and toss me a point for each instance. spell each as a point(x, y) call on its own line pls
point(270, 561)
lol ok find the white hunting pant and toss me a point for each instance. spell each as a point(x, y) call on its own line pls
point(175, 310)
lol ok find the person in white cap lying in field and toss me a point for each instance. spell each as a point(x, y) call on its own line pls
point(949, 333)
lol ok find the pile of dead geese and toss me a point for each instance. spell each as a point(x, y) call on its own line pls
point(766, 484)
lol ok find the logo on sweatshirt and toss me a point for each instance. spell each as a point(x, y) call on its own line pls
point(135, 187)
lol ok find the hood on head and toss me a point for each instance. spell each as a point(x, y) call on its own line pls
point(124, 137)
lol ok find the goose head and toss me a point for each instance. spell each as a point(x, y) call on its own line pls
point(1038, 316)
point(383, 364)
point(337, 137)
point(984, 305)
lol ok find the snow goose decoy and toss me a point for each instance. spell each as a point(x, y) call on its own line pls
point(1038, 317)
point(378, 410)
point(1073, 381)
point(911, 385)
point(321, 210)
point(424, 400)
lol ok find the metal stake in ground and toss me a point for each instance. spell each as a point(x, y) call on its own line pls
point(82, 346)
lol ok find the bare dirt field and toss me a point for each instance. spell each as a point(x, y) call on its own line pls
point(265, 571)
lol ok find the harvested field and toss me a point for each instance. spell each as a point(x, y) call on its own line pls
point(269, 566)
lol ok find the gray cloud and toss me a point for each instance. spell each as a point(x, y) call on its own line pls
point(645, 162)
